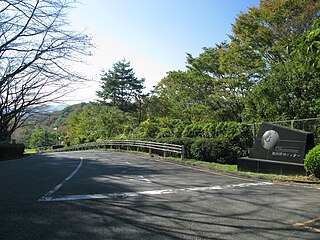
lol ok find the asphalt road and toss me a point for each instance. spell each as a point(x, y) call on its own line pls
point(112, 195)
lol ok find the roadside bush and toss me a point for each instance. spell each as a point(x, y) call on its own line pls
point(215, 142)
point(215, 150)
point(236, 134)
point(312, 161)
point(9, 151)
point(199, 129)
point(193, 130)
point(146, 129)
point(220, 142)
point(53, 147)
point(187, 142)
point(164, 132)
point(178, 129)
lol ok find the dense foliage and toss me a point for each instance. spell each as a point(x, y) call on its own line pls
point(51, 122)
point(97, 121)
point(10, 150)
point(312, 161)
point(268, 70)
point(43, 138)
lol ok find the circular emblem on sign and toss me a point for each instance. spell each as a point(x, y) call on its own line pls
point(270, 139)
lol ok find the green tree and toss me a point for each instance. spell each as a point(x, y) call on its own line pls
point(277, 84)
point(42, 138)
point(120, 87)
point(156, 106)
point(97, 122)
point(186, 96)
point(291, 90)
point(309, 45)
point(207, 64)
point(204, 92)
point(264, 36)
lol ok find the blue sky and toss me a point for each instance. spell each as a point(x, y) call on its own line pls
point(154, 35)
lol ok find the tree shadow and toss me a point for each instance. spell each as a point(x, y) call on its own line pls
point(243, 213)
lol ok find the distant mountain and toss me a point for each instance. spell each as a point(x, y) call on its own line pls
point(52, 116)
point(47, 117)
point(54, 108)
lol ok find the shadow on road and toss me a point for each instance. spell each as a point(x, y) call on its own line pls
point(246, 213)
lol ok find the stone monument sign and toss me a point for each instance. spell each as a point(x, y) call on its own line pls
point(279, 150)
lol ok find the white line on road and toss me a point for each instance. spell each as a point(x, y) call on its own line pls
point(142, 178)
point(56, 188)
point(151, 192)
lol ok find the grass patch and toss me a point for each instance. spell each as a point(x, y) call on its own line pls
point(210, 165)
point(29, 151)
point(232, 169)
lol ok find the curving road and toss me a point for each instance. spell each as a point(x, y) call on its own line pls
point(112, 195)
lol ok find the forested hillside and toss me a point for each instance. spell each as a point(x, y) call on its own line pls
point(268, 70)
point(49, 123)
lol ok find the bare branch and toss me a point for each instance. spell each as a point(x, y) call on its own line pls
point(36, 47)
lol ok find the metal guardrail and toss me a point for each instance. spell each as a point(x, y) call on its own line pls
point(129, 144)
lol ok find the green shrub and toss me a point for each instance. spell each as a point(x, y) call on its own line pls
point(164, 132)
point(215, 150)
point(9, 151)
point(312, 161)
point(187, 142)
point(220, 142)
point(178, 129)
point(213, 142)
point(236, 134)
point(199, 129)
point(147, 129)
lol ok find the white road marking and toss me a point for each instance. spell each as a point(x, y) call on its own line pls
point(56, 188)
point(142, 178)
point(151, 192)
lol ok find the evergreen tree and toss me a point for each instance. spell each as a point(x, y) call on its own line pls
point(120, 86)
